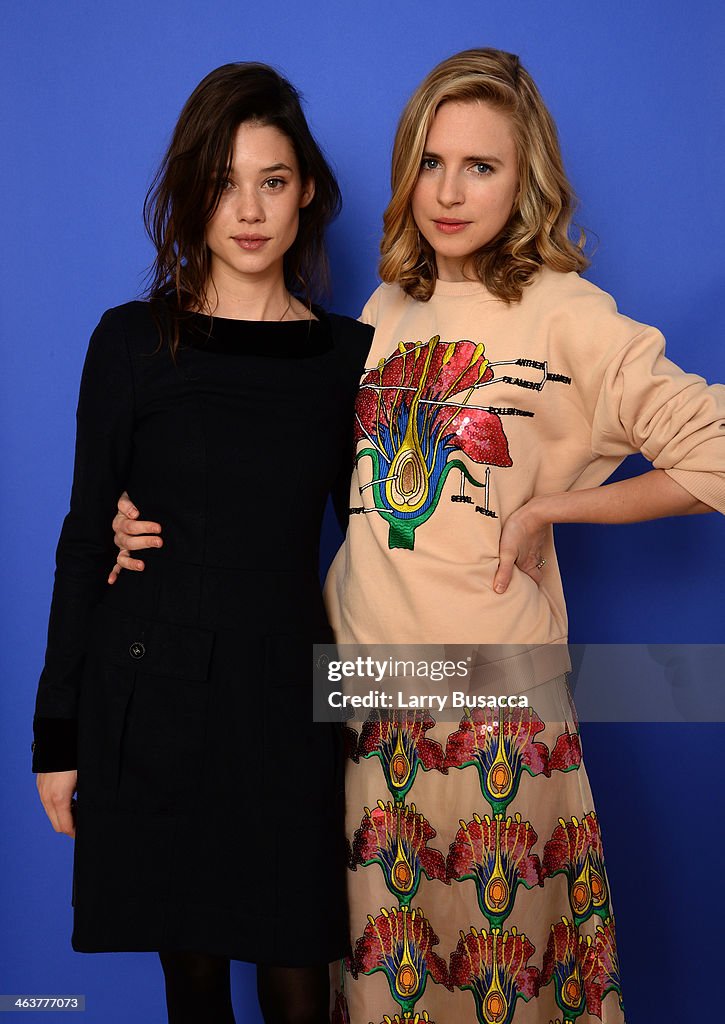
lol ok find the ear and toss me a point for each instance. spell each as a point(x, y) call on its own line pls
point(308, 193)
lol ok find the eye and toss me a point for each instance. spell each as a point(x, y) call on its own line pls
point(274, 184)
point(483, 168)
point(429, 163)
point(225, 184)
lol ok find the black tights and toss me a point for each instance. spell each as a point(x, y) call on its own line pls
point(198, 991)
point(294, 995)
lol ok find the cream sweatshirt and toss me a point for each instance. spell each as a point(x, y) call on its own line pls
point(467, 409)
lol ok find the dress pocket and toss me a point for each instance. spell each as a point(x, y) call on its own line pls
point(149, 646)
point(148, 687)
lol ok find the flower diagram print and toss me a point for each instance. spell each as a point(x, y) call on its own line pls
point(413, 411)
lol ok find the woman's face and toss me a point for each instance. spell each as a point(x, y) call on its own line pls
point(467, 184)
point(257, 218)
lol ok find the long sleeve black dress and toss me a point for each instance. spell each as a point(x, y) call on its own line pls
point(209, 810)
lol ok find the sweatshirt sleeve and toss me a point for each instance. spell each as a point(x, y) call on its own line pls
point(85, 552)
point(646, 403)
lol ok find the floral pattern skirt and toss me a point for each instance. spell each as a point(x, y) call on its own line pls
point(477, 885)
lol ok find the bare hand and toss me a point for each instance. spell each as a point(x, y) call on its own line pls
point(131, 534)
point(56, 791)
point(524, 539)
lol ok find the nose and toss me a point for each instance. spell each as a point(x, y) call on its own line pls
point(249, 206)
point(450, 192)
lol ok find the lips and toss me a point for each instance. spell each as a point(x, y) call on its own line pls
point(250, 242)
point(451, 227)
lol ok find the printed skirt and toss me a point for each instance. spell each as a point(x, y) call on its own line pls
point(477, 885)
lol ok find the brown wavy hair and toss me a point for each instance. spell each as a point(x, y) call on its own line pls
point(537, 232)
point(187, 187)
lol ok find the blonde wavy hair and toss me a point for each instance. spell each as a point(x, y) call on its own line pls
point(537, 232)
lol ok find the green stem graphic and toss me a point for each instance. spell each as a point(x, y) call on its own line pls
point(402, 531)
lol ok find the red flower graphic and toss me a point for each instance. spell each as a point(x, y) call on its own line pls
point(340, 1012)
point(575, 848)
point(397, 838)
point(567, 752)
point(399, 740)
point(601, 963)
point(494, 968)
point(413, 412)
point(565, 961)
point(500, 742)
point(400, 943)
point(433, 373)
point(496, 854)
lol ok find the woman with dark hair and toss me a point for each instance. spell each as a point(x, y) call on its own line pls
point(208, 823)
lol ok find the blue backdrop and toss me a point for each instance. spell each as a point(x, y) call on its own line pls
point(89, 93)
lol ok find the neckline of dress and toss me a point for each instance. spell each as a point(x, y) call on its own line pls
point(232, 320)
point(293, 339)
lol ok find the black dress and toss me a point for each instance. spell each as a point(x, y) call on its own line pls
point(210, 812)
